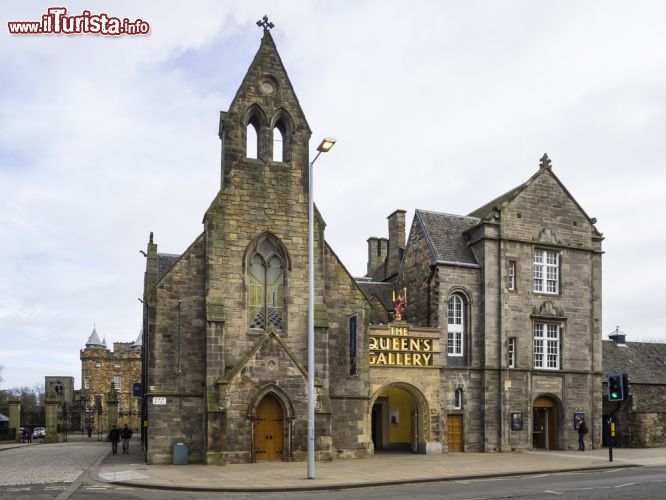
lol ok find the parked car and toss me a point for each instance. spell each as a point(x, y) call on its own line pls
point(39, 432)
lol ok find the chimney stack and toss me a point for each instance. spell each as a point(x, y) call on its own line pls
point(396, 245)
point(377, 252)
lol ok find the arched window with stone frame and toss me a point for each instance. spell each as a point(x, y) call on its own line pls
point(283, 128)
point(255, 122)
point(267, 275)
point(458, 332)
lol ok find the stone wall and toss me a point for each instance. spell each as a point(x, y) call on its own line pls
point(641, 420)
point(177, 359)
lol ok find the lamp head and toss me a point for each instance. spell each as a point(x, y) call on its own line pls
point(326, 144)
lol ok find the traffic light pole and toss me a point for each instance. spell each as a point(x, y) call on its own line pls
point(610, 433)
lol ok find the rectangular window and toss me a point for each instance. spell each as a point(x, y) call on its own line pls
point(512, 275)
point(546, 346)
point(98, 364)
point(457, 399)
point(546, 271)
point(512, 352)
point(116, 382)
point(352, 346)
point(86, 383)
point(116, 364)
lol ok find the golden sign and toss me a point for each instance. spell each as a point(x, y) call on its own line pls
point(399, 349)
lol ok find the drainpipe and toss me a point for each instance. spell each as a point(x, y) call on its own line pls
point(500, 260)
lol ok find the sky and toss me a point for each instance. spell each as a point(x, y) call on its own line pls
point(436, 105)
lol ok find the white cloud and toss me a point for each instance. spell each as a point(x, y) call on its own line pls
point(436, 105)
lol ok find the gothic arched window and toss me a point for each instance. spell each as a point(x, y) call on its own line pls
point(266, 273)
point(252, 140)
point(283, 129)
point(278, 142)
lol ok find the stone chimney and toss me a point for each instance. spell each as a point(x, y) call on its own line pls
point(396, 245)
point(377, 252)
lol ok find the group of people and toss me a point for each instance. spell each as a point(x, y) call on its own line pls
point(26, 435)
point(115, 435)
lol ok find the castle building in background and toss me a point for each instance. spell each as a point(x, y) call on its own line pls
point(476, 333)
point(100, 369)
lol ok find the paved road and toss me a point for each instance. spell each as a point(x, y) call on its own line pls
point(48, 463)
point(645, 483)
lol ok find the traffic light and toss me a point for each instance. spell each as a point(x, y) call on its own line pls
point(616, 386)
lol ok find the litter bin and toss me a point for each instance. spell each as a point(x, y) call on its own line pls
point(179, 454)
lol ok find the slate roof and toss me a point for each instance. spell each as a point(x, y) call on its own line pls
point(445, 235)
point(383, 291)
point(94, 340)
point(164, 263)
point(644, 362)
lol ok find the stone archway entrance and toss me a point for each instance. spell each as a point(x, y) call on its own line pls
point(398, 419)
point(545, 423)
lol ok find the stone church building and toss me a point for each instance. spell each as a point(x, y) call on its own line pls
point(474, 333)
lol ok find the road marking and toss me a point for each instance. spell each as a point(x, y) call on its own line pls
point(552, 492)
point(18, 489)
point(626, 484)
point(79, 480)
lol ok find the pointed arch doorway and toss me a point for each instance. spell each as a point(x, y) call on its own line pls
point(271, 414)
point(269, 435)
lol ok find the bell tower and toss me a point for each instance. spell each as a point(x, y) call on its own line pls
point(265, 126)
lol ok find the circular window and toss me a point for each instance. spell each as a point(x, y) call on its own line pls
point(267, 86)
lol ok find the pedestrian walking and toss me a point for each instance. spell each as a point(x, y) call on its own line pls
point(89, 429)
point(582, 430)
point(114, 437)
point(28, 434)
point(126, 435)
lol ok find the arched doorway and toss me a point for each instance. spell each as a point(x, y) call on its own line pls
point(398, 419)
point(271, 415)
point(269, 429)
point(545, 423)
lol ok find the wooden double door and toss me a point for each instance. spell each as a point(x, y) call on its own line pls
point(269, 430)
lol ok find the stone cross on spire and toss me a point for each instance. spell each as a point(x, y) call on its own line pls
point(265, 24)
point(545, 161)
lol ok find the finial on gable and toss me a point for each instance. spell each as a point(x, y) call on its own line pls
point(545, 162)
point(263, 23)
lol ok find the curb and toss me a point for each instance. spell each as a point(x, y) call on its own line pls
point(346, 486)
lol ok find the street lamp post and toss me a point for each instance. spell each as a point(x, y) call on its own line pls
point(325, 146)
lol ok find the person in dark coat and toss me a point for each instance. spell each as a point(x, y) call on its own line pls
point(126, 435)
point(582, 430)
point(114, 437)
point(89, 429)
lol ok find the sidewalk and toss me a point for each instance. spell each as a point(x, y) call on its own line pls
point(382, 469)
